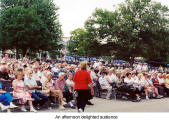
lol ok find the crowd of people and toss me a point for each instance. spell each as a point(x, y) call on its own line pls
point(74, 85)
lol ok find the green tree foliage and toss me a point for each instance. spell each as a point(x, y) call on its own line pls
point(137, 28)
point(77, 42)
point(30, 25)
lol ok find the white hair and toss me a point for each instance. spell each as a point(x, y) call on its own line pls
point(60, 74)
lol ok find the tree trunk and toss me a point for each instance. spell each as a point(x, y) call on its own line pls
point(17, 53)
point(131, 62)
point(24, 51)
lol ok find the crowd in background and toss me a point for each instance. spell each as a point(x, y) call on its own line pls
point(40, 82)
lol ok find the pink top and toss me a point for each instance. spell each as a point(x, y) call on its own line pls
point(6, 57)
point(19, 85)
point(60, 85)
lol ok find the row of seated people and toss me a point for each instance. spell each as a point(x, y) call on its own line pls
point(27, 89)
point(135, 84)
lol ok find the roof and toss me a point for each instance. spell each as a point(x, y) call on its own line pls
point(8, 52)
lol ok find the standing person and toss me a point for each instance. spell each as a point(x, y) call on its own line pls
point(83, 85)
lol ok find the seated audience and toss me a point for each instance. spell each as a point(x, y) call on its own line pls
point(60, 84)
point(49, 90)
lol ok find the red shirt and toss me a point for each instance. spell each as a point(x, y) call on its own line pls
point(82, 79)
point(156, 81)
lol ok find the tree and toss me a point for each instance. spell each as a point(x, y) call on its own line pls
point(138, 28)
point(30, 25)
point(77, 42)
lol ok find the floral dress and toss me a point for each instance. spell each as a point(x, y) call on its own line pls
point(21, 94)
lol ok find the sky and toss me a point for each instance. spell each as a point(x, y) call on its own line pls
point(73, 13)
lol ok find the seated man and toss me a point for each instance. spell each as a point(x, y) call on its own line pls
point(31, 86)
point(105, 84)
point(131, 88)
point(5, 98)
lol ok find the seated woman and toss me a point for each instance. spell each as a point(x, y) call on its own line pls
point(139, 83)
point(158, 84)
point(5, 98)
point(67, 89)
point(20, 92)
point(49, 90)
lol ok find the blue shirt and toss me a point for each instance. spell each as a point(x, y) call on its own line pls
point(0, 85)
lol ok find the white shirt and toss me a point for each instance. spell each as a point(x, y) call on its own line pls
point(140, 81)
point(96, 64)
point(93, 75)
point(161, 80)
point(139, 67)
point(102, 80)
point(114, 78)
point(54, 69)
point(128, 81)
point(36, 76)
point(145, 68)
point(69, 82)
point(110, 79)
point(148, 82)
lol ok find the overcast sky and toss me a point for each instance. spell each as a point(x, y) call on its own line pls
point(73, 13)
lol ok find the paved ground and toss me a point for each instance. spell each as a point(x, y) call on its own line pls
point(103, 105)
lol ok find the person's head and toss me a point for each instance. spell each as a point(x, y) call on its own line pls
point(167, 76)
point(83, 66)
point(49, 76)
point(3, 69)
point(19, 75)
point(35, 68)
point(92, 68)
point(70, 76)
point(102, 74)
point(25, 66)
point(128, 75)
point(164, 75)
point(139, 76)
point(118, 74)
point(65, 71)
point(160, 75)
point(133, 74)
point(29, 73)
point(155, 75)
point(61, 76)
